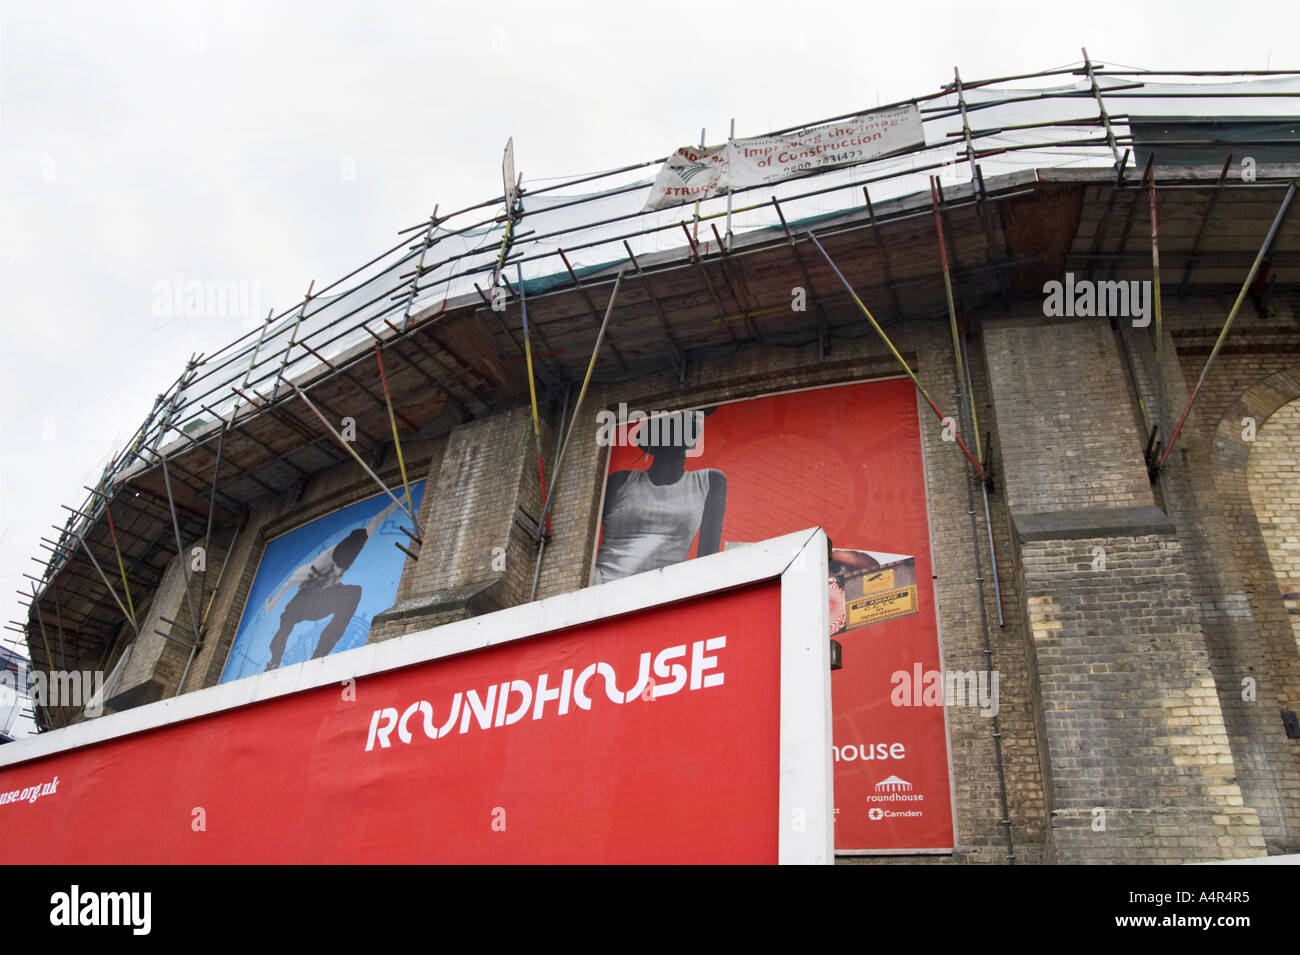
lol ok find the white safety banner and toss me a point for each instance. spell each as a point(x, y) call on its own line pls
point(755, 162)
point(692, 173)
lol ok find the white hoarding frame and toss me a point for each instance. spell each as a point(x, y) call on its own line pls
point(806, 831)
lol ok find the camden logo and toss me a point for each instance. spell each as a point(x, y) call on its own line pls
point(875, 813)
point(1084, 298)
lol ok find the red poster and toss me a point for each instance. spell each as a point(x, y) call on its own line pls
point(651, 737)
point(847, 458)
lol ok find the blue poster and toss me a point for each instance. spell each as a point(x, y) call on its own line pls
point(319, 586)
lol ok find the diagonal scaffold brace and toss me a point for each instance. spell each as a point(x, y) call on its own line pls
point(980, 470)
point(397, 445)
point(117, 550)
point(1161, 428)
point(532, 385)
point(130, 617)
point(1232, 314)
point(573, 421)
point(196, 631)
point(347, 446)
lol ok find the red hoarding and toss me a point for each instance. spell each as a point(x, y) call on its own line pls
point(650, 736)
point(847, 458)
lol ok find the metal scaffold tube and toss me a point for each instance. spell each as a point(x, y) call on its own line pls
point(979, 468)
point(1232, 314)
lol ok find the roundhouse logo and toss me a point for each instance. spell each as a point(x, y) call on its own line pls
point(893, 785)
point(893, 789)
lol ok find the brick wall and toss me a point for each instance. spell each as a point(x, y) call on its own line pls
point(1140, 769)
point(168, 601)
point(1107, 681)
point(475, 557)
point(1273, 473)
point(1120, 658)
point(1205, 490)
point(1067, 424)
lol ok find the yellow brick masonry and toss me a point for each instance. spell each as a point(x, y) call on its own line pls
point(1273, 473)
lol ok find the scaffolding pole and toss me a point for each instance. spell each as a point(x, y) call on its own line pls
point(102, 576)
point(117, 551)
point(947, 284)
point(559, 438)
point(532, 385)
point(1232, 314)
point(347, 445)
point(1161, 423)
point(823, 327)
point(979, 469)
point(180, 547)
point(288, 349)
point(577, 407)
point(419, 267)
point(882, 253)
point(679, 354)
point(397, 441)
point(461, 409)
point(1205, 222)
point(1101, 106)
point(591, 306)
point(49, 658)
point(252, 361)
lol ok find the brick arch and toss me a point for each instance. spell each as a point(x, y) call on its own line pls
point(1259, 401)
point(1256, 639)
point(1273, 479)
point(1229, 456)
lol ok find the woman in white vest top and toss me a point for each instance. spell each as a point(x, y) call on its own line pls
point(652, 516)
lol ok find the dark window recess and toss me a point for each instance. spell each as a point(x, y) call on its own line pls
point(1209, 140)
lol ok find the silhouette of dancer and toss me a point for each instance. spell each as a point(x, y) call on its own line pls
point(652, 516)
point(322, 593)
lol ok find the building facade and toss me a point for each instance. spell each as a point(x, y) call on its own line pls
point(1125, 559)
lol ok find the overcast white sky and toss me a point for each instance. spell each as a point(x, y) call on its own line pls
point(279, 142)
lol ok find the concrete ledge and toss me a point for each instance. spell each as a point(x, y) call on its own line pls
point(148, 692)
point(1038, 321)
point(1092, 522)
point(445, 606)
